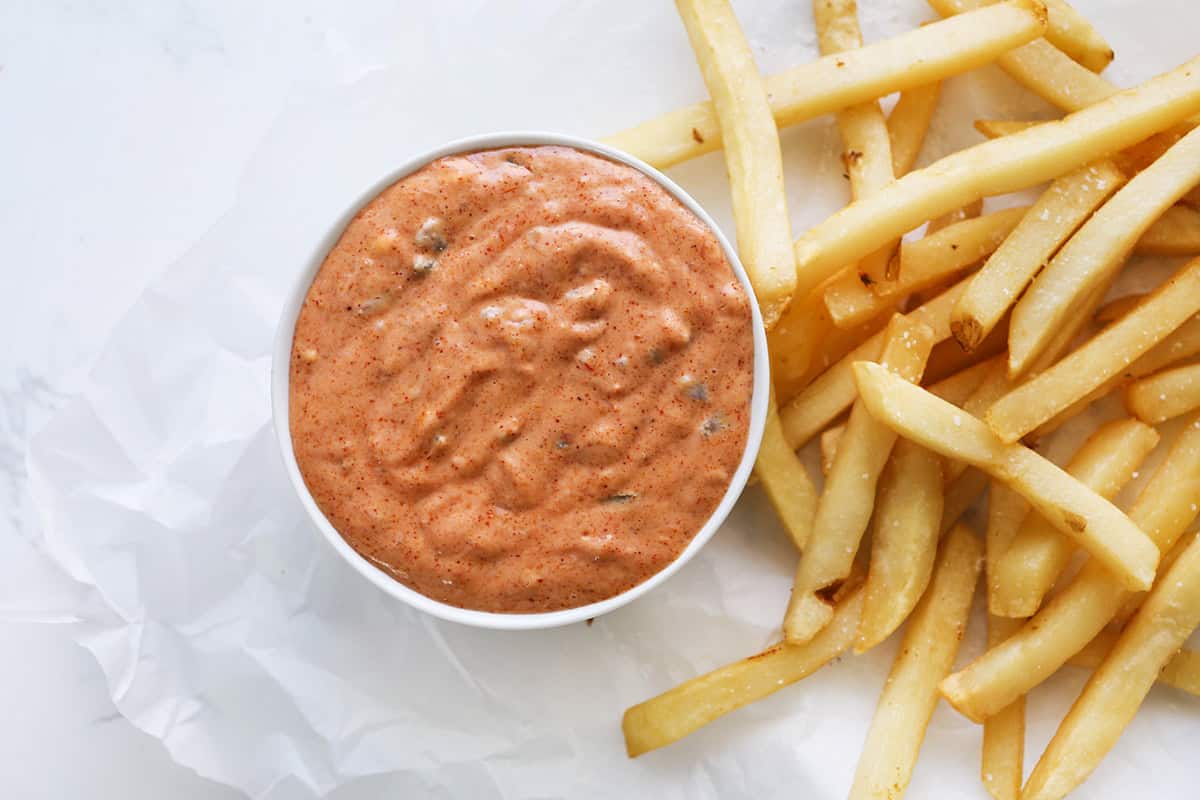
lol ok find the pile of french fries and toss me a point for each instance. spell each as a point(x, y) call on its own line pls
point(928, 368)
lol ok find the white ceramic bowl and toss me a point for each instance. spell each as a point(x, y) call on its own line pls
point(282, 359)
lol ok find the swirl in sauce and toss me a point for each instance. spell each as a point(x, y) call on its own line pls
point(521, 379)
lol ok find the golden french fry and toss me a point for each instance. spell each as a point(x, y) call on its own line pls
point(1175, 233)
point(961, 494)
point(1182, 344)
point(947, 250)
point(906, 525)
point(909, 122)
point(1181, 672)
point(1002, 762)
point(752, 153)
point(1131, 605)
point(867, 154)
point(1102, 358)
point(926, 654)
point(969, 211)
point(1060, 210)
point(1070, 32)
point(1119, 307)
point(1041, 67)
point(1119, 685)
point(845, 505)
point(852, 299)
point(795, 341)
point(1094, 254)
point(949, 358)
point(1038, 553)
point(920, 57)
point(1006, 510)
point(995, 384)
point(831, 393)
point(805, 343)
point(956, 388)
point(1168, 239)
point(866, 144)
point(690, 706)
point(1091, 521)
point(1164, 510)
point(1166, 394)
point(785, 480)
point(991, 385)
point(996, 167)
point(828, 445)
point(995, 128)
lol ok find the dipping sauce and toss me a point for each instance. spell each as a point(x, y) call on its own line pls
point(521, 379)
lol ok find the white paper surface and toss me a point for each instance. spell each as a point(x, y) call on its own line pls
point(232, 632)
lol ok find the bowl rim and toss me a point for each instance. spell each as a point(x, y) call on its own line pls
point(280, 374)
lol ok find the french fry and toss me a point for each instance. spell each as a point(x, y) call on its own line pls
point(785, 480)
point(1006, 510)
point(1182, 344)
point(1175, 233)
point(1060, 210)
point(931, 53)
point(969, 211)
point(1131, 160)
point(1098, 249)
point(795, 342)
point(956, 388)
point(1102, 358)
point(1181, 672)
point(961, 494)
point(805, 343)
point(995, 384)
point(996, 167)
point(831, 393)
point(866, 144)
point(1164, 510)
point(1134, 602)
point(1070, 32)
point(1164, 395)
point(1039, 553)
point(909, 122)
point(854, 298)
point(850, 300)
point(844, 506)
point(1119, 685)
point(1041, 67)
point(926, 654)
point(828, 445)
point(690, 706)
point(949, 358)
point(953, 247)
point(1088, 519)
point(942, 253)
point(907, 521)
point(752, 153)
point(1114, 309)
point(1002, 761)
point(995, 128)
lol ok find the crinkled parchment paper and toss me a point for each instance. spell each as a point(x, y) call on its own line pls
point(231, 631)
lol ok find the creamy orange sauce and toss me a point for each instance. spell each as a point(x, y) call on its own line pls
point(521, 379)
